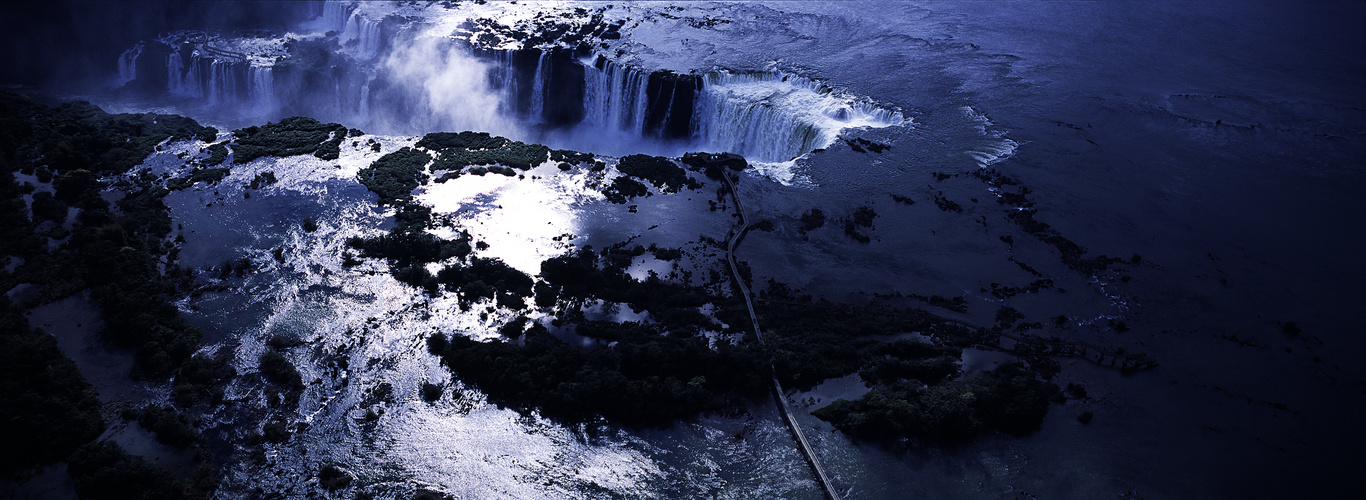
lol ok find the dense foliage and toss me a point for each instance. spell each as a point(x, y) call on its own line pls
point(622, 189)
point(812, 220)
point(714, 165)
point(115, 252)
point(123, 255)
point(201, 379)
point(642, 379)
point(296, 135)
point(394, 176)
point(660, 171)
point(104, 471)
point(456, 151)
point(80, 136)
point(48, 408)
point(585, 274)
point(1010, 399)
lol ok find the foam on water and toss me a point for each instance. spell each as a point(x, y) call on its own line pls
point(518, 218)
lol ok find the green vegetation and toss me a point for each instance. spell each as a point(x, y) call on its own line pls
point(815, 341)
point(946, 204)
point(45, 207)
point(859, 144)
point(460, 140)
point(201, 379)
point(394, 176)
point(862, 217)
point(170, 427)
point(105, 471)
point(410, 248)
point(570, 157)
point(812, 220)
point(917, 393)
point(116, 254)
point(660, 171)
point(637, 375)
point(623, 189)
point(431, 392)
point(277, 369)
point(487, 278)
point(261, 180)
point(456, 151)
point(643, 379)
point(585, 275)
point(48, 408)
point(714, 165)
point(80, 136)
point(296, 135)
point(124, 256)
point(198, 174)
point(1008, 399)
point(218, 153)
point(331, 478)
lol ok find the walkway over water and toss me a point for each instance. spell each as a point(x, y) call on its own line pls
point(802, 444)
point(1020, 345)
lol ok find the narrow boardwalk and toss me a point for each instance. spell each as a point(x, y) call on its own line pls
point(803, 445)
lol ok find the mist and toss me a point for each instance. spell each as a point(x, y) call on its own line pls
point(448, 89)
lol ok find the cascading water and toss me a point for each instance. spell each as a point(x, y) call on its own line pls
point(767, 116)
point(365, 33)
point(335, 14)
point(614, 98)
point(537, 111)
point(775, 116)
point(262, 80)
point(175, 75)
point(128, 65)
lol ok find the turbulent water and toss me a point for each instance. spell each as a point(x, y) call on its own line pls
point(1222, 150)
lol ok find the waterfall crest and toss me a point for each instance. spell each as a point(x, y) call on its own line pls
point(775, 116)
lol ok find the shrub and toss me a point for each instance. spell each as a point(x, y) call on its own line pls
point(105, 471)
point(296, 135)
point(394, 176)
point(48, 408)
point(331, 478)
point(277, 369)
point(431, 392)
point(660, 171)
point(812, 219)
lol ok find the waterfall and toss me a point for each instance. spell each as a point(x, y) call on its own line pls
point(128, 65)
point(175, 70)
point(364, 106)
point(774, 116)
point(221, 88)
point(537, 112)
point(262, 90)
point(335, 14)
point(503, 77)
point(615, 97)
point(365, 32)
point(768, 116)
point(194, 79)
